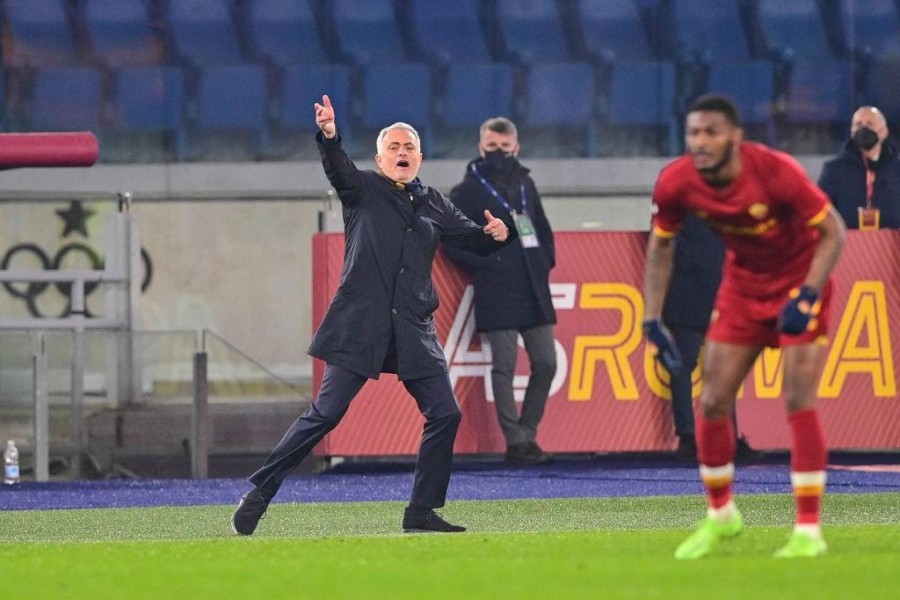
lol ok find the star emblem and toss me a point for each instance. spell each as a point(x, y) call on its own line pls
point(75, 217)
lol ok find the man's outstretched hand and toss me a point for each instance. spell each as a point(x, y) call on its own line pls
point(325, 117)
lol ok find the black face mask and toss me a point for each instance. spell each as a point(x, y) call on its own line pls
point(499, 160)
point(865, 138)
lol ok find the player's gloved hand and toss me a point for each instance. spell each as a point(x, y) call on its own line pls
point(666, 350)
point(799, 311)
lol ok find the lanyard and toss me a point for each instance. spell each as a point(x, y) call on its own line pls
point(487, 185)
point(870, 182)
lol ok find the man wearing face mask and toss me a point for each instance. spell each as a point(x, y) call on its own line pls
point(512, 290)
point(863, 180)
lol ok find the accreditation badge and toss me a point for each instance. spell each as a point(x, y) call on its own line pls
point(526, 231)
point(869, 218)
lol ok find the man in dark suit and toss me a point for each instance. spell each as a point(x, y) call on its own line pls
point(697, 272)
point(512, 290)
point(381, 318)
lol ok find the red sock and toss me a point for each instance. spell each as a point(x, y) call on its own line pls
point(715, 451)
point(808, 458)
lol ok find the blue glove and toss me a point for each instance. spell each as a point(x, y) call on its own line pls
point(799, 311)
point(666, 350)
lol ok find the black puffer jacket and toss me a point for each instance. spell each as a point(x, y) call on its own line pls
point(843, 178)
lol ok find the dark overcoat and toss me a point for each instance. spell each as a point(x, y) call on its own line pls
point(696, 275)
point(512, 286)
point(843, 178)
point(381, 318)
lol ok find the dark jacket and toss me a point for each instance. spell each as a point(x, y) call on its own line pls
point(843, 178)
point(512, 289)
point(386, 292)
point(697, 272)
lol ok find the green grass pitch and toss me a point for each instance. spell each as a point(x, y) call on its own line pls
point(561, 548)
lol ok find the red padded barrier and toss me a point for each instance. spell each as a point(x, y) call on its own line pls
point(71, 149)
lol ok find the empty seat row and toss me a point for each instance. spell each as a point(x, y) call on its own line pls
point(362, 32)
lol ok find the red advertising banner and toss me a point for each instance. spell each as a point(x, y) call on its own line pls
point(609, 395)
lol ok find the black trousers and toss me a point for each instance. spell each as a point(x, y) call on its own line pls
point(689, 341)
point(435, 399)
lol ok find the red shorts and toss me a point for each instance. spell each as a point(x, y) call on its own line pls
point(741, 319)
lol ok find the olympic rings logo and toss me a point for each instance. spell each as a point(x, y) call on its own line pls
point(29, 293)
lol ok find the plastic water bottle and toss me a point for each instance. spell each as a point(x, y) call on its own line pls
point(11, 463)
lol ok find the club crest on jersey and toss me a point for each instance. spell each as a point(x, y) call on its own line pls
point(758, 211)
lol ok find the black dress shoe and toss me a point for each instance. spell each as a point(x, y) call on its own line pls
point(251, 509)
point(527, 453)
point(425, 520)
point(746, 453)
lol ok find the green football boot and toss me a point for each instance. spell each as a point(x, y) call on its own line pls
point(710, 532)
point(802, 545)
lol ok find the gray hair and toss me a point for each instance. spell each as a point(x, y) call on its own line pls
point(500, 125)
point(397, 125)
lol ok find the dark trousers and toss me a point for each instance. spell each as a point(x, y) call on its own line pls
point(689, 341)
point(435, 399)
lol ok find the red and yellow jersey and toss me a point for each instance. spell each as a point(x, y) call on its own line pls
point(766, 218)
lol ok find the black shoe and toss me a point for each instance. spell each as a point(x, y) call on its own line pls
point(687, 447)
point(251, 509)
point(744, 452)
point(425, 520)
point(527, 453)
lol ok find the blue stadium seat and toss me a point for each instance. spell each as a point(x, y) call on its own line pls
point(40, 34)
point(710, 30)
point(204, 32)
point(285, 31)
point(67, 99)
point(819, 92)
point(475, 92)
point(613, 30)
point(751, 84)
point(561, 94)
point(794, 30)
point(872, 29)
point(398, 92)
point(368, 32)
point(533, 31)
point(882, 83)
point(642, 96)
point(450, 32)
point(151, 100)
point(121, 33)
point(642, 93)
point(302, 86)
point(233, 99)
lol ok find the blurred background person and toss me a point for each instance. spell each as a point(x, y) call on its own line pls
point(863, 180)
point(512, 290)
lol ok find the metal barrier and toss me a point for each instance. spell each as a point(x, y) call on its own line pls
point(120, 273)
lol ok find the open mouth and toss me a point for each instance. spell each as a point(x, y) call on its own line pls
point(402, 163)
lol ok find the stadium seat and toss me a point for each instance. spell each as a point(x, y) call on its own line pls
point(819, 92)
point(613, 30)
point(368, 32)
point(562, 94)
point(121, 33)
point(285, 31)
point(882, 83)
point(751, 84)
point(40, 34)
point(232, 99)
point(475, 92)
point(872, 29)
point(398, 92)
point(450, 33)
point(533, 31)
point(67, 99)
point(204, 32)
point(794, 30)
point(710, 30)
point(302, 86)
point(151, 100)
point(642, 104)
